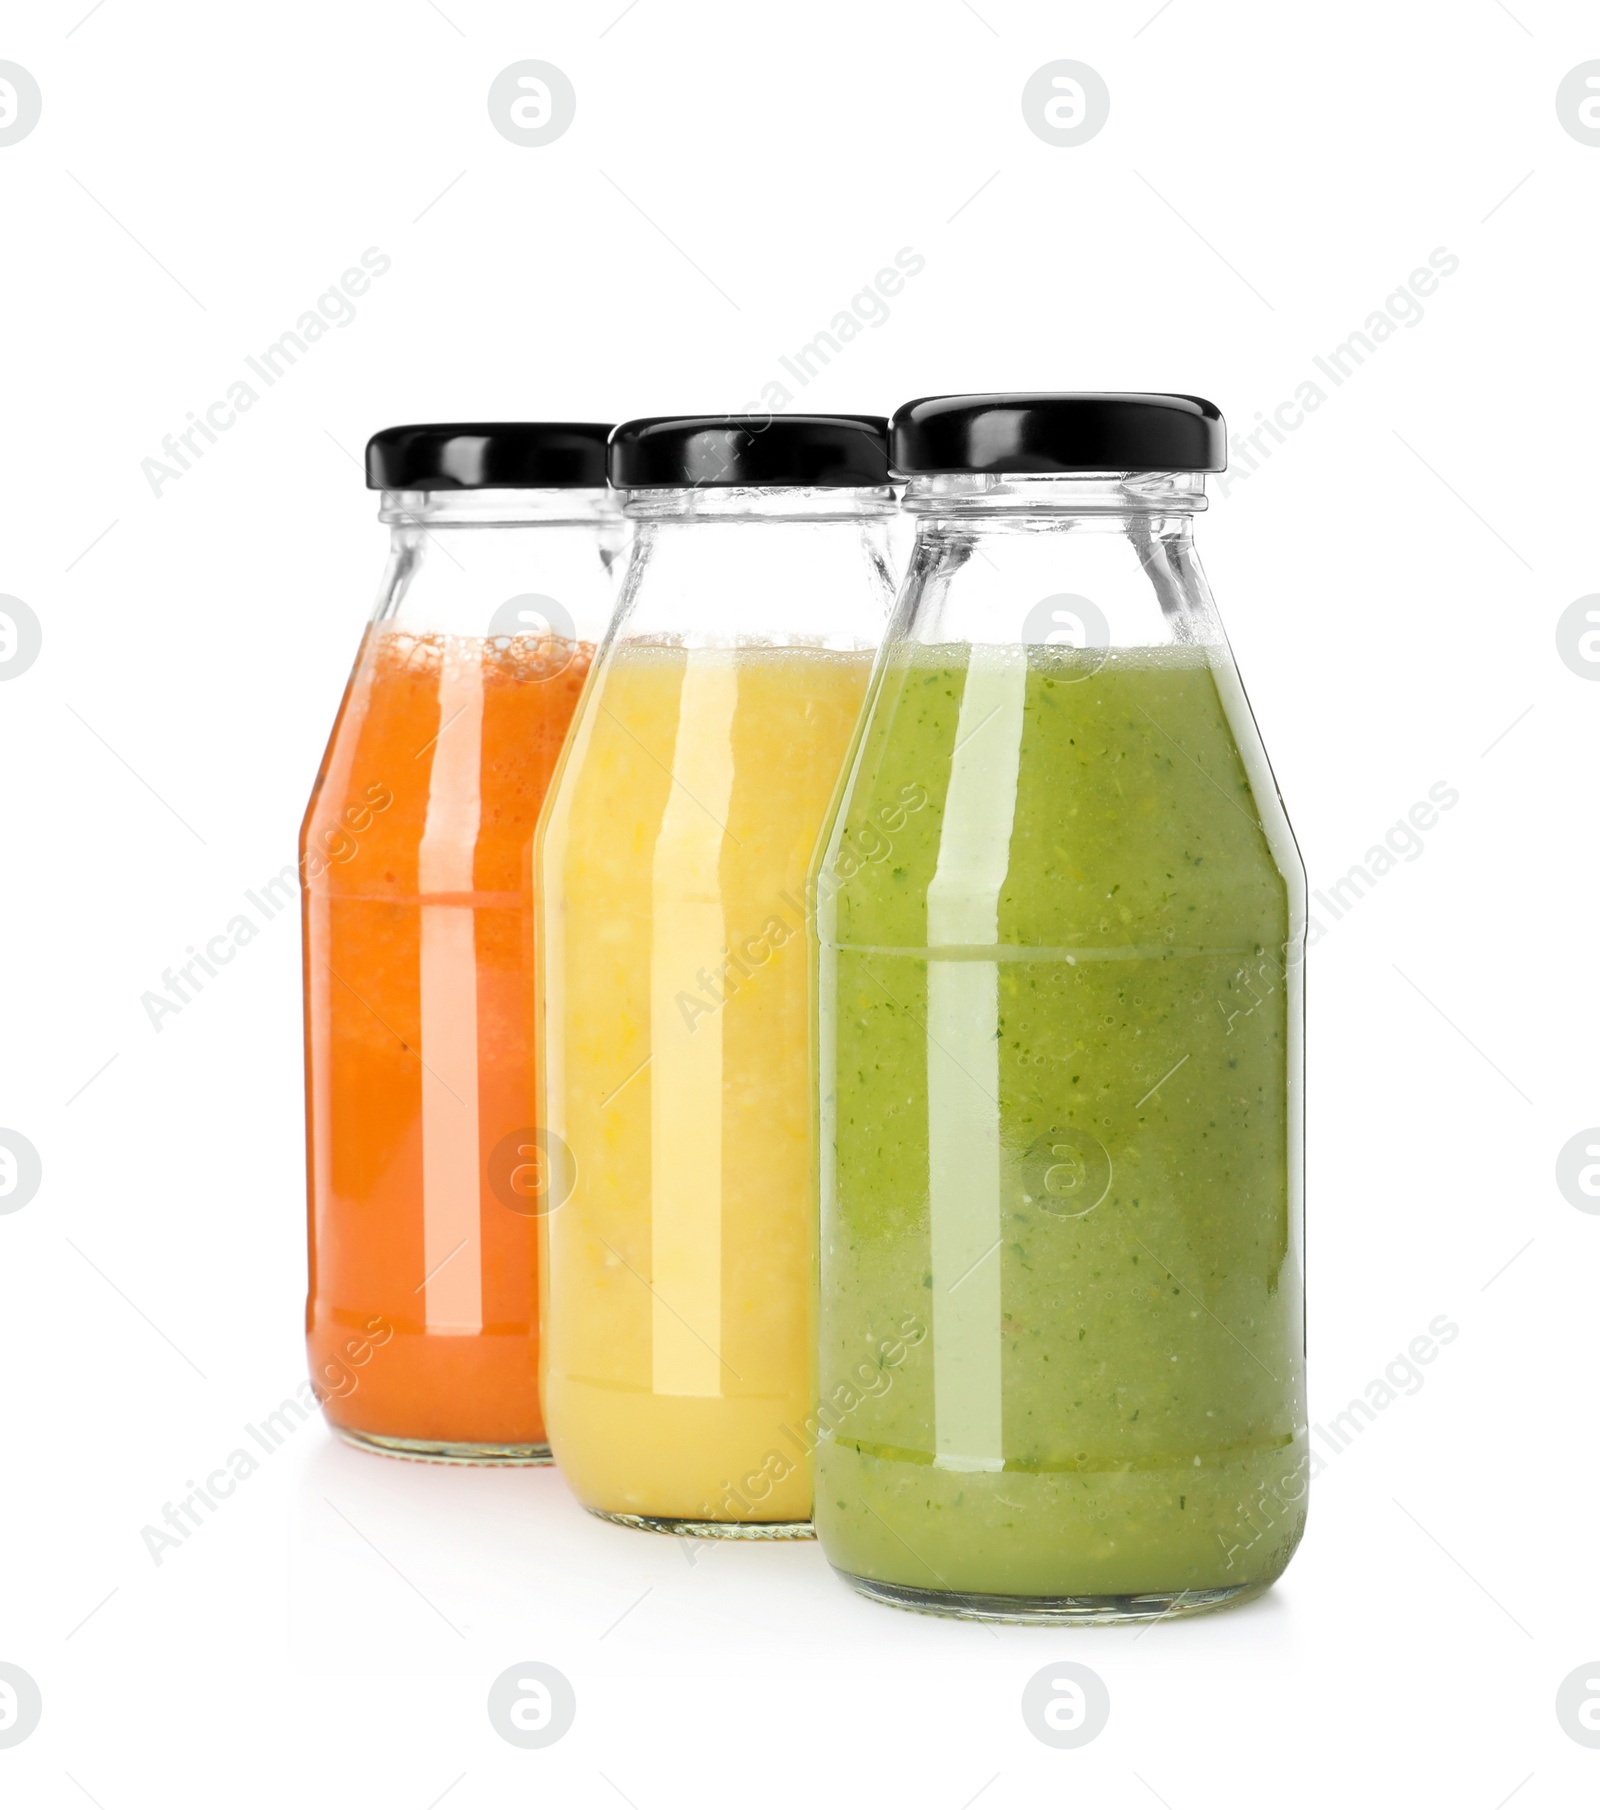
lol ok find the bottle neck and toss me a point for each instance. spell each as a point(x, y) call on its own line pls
point(765, 503)
point(431, 509)
point(1093, 560)
point(549, 557)
point(771, 566)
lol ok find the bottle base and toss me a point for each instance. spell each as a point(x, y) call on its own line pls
point(445, 1451)
point(1052, 1610)
point(710, 1530)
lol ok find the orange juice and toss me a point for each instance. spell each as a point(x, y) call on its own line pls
point(421, 1319)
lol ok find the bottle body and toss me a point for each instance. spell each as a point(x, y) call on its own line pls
point(674, 1003)
point(422, 1313)
point(1061, 1341)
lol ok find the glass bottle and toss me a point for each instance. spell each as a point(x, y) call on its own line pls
point(1061, 1341)
point(673, 976)
point(424, 1172)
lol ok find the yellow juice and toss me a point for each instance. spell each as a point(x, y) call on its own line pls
point(674, 991)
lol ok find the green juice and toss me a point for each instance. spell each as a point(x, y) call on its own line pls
point(1061, 1351)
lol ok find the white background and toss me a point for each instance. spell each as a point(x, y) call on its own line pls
point(1391, 577)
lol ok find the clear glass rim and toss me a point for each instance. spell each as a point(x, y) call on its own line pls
point(965, 493)
point(496, 508)
point(765, 502)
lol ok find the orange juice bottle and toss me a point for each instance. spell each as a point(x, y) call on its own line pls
point(426, 1171)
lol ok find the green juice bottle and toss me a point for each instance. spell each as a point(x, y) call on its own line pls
point(1060, 924)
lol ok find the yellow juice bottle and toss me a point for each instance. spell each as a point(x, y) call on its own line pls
point(674, 976)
